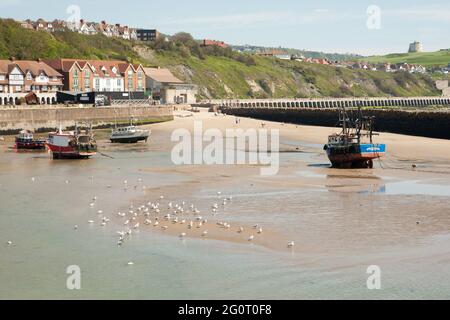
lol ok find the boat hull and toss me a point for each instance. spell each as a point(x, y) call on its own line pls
point(68, 153)
point(354, 156)
point(32, 145)
point(129, 139)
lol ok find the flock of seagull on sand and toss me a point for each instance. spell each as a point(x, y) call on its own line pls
point(160, 215)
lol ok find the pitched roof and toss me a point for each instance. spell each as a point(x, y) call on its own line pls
point(161, 75)
point(104, 68)
point(35, 67)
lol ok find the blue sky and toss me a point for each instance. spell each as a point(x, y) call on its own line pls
point(325, 25)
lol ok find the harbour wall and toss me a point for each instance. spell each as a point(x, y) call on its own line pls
point(41, 119)
point(432, 124)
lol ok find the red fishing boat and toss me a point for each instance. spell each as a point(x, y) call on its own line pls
point(25, 141)
point(77, 144)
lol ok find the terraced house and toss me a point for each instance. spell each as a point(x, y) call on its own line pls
point(28, 82)
point(99, 75)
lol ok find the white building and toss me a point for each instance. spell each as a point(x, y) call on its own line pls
point(167, 88)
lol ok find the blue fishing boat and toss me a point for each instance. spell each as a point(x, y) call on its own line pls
point(353, 147)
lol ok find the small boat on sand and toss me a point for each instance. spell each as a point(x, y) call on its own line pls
point(25, 141)
point(77, 144)
point(353, 147)
point(129, 134)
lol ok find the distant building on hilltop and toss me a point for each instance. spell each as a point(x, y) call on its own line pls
point(213, 43)
point(415, 47)
point(280, 54)
point(147, 34)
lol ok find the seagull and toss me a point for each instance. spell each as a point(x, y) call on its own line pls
point(100, 211)
point(255, 226)
point(199, 225)
point(156, 224)
point(291, 244)
point(75, 227)
point(33, 179)
point(126, 222)
point(91, 221)
point(205, 233)
point(164, 227)
point(148, 222)
point(251, 238)
point(182, 235)
point(161, 197)
point(130, 263)
point(9, 243)
point(260, 230)
point(67, 181)
point(240, 230)
point(136, 225)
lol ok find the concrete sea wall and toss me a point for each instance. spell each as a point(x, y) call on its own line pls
point(421, 123)
point(49, 118)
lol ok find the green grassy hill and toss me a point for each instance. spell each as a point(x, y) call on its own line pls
point(219, 73)
point(427, 59)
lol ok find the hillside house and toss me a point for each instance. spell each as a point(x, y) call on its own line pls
point(99, 75)
point(20, 78)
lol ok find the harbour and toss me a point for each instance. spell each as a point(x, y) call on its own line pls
point(334, 244)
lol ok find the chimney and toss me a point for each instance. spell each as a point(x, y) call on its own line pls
point(12, 59)
point(39, 60)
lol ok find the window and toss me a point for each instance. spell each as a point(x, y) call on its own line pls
point(130, 80)
point(119, 82)
point(97, 84)
point(75, 79)
point(1, 87)
point(29, 77)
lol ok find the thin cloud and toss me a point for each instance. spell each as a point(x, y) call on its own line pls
point(431, 13)
point(10, 3)
point(265, 18)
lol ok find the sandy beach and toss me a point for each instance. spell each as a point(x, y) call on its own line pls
point(397, 216)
